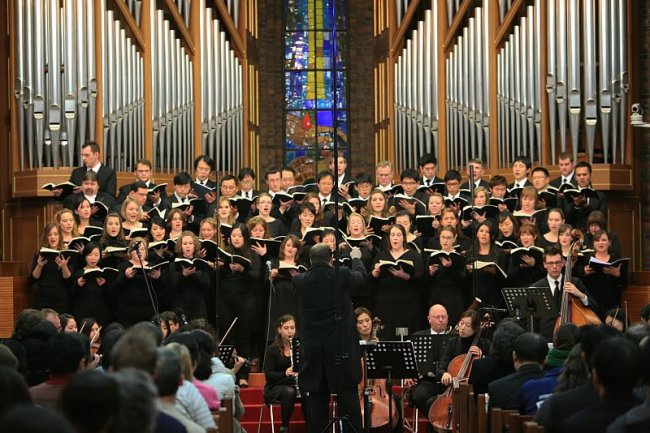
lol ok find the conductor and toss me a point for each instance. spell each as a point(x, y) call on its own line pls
point(331, 361)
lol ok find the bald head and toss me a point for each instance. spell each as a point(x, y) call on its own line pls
point(438, 318)
point(320, 253)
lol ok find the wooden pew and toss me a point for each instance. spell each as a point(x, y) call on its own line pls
point(533, 427)
point(481, 414)
point(223, 417)
point(516, 422)
point(499, 419)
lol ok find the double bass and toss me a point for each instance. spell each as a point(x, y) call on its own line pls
point(441, 411)
point(572, 309)
point(378, 395)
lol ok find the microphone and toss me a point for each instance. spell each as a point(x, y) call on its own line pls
point(135, 246)
point(268, 266)
point(180, 313)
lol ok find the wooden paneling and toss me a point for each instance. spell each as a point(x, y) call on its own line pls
point(637, 294)
point(14, 297)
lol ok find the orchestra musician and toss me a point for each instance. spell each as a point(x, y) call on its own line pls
point(281, 379)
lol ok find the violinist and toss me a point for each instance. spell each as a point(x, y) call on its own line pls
point(468, 325)
point(554, 280)
point(281, 381)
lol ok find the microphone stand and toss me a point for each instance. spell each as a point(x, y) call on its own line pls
point(268, 312)
point(217, 267)
point(474, 231)
point(150, 291)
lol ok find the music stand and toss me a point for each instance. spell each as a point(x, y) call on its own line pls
point(224, 353)
point(392, 360)
point(366, 346)
point(428, 350)
point(530, 303)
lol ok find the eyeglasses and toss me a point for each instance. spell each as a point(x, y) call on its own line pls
point(438, 317)
point(557, 263)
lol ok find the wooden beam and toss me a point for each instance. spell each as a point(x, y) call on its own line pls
point(197, 62)
point(396, 40)
point(99, 75)
point(186, 39)
point(456, 24)
point(443, 145)
point(123, 14)
point(236, 42)
point(505, 28)
point(147, 80)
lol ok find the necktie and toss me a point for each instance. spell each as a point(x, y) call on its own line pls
point(324, 201)
point(564, 180)
point(556, 295)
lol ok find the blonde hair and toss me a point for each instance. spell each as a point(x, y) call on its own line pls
point(59, 215)
point(195, 240)
point(126, 202)
point(186, 361)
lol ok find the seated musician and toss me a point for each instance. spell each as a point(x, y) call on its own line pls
point(554, 264)
point(468, 325)
point(426, 389)
point(281, 381)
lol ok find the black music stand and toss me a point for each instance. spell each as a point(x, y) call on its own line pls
point(225, 352)
point(429, 349)
point(530, 303)
point(392, 360)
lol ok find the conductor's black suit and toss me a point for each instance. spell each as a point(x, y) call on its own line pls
point(330, 359)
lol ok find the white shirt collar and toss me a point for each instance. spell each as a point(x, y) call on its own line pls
point(96, 167)
point(551, 283)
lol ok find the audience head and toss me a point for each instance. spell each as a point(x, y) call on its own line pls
point(137, 350)
point(168, 374)
point(34, 419)
point(90, 401)
point(592, 337)
point(645, 313)
point(566, 336)
point(616, 367)
point(530, 347)
point(137, 397)
point(66, 353)
point(14, 389)
point(7, 358)
point(52, 316)
point(503, 340)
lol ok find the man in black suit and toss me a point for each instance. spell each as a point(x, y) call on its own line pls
point(520, 170)
point(615, 372)
point(91, 190)
point(92, 162)
point(246, 178)
point(577, 210)
point(203, 169)
point(427, 165)
point(561, 406)
point(343, 179)
point(565, 164)
point(143, 170)
point(528, 358)
point(478, 167)
point(331, 361)
point(554, 280)
point(423, 394)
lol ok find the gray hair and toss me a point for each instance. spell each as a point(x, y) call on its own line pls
point(137, 413)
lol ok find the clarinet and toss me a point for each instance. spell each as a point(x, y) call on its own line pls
point(292, 365)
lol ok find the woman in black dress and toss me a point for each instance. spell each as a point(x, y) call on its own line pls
point(397, 292)
point(508, 229)
point(188, 285)
point(264, 208)
point(90, 296)
point(605, 287)
point(446, 282)
point(525, 271)
point(51, 277)
point(133, 302)
point(490, 279)
point(112, 237)
point(283, 295)
point(237, 297)
point(281, 379)
point(468, 326)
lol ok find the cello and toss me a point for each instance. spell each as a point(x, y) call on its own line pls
point(572, 309)
point(378, 395)
point(440, 413)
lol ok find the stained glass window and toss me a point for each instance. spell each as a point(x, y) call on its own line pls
point(315, 88)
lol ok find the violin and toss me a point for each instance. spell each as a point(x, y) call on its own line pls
point(441, 411)
point(572, 309)
point(379, 403)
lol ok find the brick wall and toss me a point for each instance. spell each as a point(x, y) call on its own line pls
point(360, 84)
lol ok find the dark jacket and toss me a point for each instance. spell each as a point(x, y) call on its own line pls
point(105, 177)
point(328, 326)
point(504, 392)
point(559, 407)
